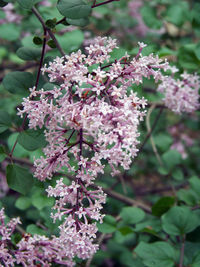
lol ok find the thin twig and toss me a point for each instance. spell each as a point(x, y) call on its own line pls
point(104, 3)
point(151, 137)
point(56, 42)
point(126, 199)
point(94, 2)
point(182, 252)
point(152, 129)
point(37, 14)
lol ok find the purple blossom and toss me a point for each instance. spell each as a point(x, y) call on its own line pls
point(181, 95)
point(91, 115)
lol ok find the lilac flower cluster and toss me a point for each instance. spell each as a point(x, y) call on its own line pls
point(181, 95)
point(29, 251)
point(91, 116)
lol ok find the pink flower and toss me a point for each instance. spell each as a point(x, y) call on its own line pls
point(181, 95)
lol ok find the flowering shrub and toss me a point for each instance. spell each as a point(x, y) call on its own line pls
point(82, 121)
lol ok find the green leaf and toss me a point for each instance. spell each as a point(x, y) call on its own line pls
point(162, 205)
point(188, 196)
point(27, 4)
point(19, 151)
point(125, 230)
point(51, 23)
point(179, 221)
point(19, 179)
point(9, 31)
point(37, 40)
point(149, 16)
point(196, 260)
point(18, 82)
point(42, 201)
point(163, 141)
point(34, 230)
point(73, 9)
point(71, 41)
point(197, 51)
point(171, 158)
point(51, 44)
point(2, 154)
point(32, 139)
point(5, 121)
point(156, 254)
point(2, 3)
point(29, 53)
point(132, 215)
point(78, 22)
point(176, 14)
point(195, 185)
point(177, 174)
point(117, 53)
point(187, 57)
point(165, 51)
point(23, 203)
point(108, 225)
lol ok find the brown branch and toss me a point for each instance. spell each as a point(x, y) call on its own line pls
point(104, 3)
point(37, 14)
point(126, 200)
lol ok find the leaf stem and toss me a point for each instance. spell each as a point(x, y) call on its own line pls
point(182, 251)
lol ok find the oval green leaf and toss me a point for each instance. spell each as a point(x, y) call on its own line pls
point(132, 215)
point(29, 53)
point(73, 9)
point(156, 254)
point(5, 121)
point(19, 179)
point(179, 221)
point(31, 139)
point(162, 205)
point(18, 82)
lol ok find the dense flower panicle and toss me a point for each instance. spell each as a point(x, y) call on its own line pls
point(42, 250)
point(181, 95)
point(30, 250)
point(92, 114)
point(6, 230)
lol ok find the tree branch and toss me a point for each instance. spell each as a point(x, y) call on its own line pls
point(104, 3)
